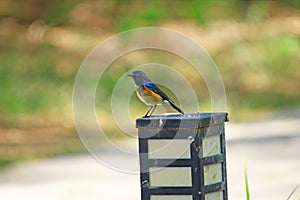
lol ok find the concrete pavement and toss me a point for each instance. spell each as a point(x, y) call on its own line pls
point(271, 149)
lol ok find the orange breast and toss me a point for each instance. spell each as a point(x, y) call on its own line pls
point(150, 93)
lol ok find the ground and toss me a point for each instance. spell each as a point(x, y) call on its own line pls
point(270, 149)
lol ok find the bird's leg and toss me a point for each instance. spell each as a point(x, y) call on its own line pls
point(153, 108)
point(146, 115)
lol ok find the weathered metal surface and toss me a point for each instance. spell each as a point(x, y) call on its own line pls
point(183, 156)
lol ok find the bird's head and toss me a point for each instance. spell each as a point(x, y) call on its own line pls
point(139, 77)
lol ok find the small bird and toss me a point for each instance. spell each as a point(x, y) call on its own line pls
point(149, 93)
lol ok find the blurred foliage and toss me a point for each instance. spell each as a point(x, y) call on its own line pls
point(255, 44)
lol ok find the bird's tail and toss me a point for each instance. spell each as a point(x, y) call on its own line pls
point(174, 106)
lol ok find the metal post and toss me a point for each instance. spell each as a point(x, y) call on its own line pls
point(183, 156)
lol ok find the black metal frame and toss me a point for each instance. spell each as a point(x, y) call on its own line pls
point(195, 126)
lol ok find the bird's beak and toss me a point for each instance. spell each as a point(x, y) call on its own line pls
point(130, 74)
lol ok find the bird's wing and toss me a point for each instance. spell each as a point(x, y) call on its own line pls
point(156, 90)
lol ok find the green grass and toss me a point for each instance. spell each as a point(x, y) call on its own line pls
point(247, 189)
point(292, 192)
point(247, 193)
point(260, 73)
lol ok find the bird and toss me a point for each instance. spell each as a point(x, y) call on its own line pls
point(149, 93)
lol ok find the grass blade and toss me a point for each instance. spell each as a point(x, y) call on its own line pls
point(246, 183)
point(293, 191)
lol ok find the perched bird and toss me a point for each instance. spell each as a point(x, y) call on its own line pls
point(149, 93)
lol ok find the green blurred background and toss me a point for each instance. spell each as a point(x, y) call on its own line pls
point(255, 44)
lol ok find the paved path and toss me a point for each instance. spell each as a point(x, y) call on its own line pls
point(271, 149)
